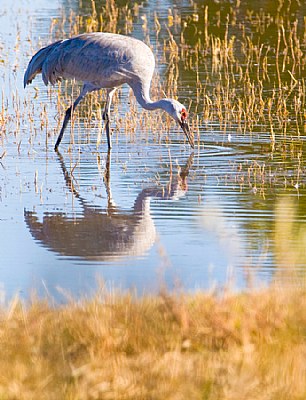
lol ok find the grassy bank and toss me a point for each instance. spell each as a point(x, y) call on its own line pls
point(234, 346)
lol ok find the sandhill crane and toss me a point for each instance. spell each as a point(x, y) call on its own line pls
point(103, 60)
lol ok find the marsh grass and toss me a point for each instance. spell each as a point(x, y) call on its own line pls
point(240, 83)
point(247, 69)
point(169, 346)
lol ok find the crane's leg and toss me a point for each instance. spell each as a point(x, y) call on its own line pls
point(106, 115)
point(86, 89)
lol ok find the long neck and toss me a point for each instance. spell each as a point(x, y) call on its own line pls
point(142, 94)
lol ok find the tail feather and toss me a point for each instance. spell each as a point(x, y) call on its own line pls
point(37, 61)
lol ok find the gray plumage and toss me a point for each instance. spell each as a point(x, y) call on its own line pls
point(103, 60)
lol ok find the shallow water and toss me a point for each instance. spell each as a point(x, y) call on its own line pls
point(149, 214)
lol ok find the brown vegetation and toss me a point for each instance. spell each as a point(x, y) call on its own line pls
point(117, 346)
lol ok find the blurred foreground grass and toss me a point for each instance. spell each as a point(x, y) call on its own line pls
point(115, 346)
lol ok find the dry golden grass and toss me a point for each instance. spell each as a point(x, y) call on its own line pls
point(115, 346)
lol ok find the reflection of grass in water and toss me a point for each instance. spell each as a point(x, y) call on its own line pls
point(290, 238)
point(234, 346)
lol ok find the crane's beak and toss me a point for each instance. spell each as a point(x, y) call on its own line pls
point(184, 125)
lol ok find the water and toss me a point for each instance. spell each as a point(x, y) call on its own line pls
point(152, 212)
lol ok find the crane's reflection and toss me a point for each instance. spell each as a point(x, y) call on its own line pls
point(105, 235)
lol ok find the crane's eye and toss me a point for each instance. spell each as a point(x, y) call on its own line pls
point(184, 114)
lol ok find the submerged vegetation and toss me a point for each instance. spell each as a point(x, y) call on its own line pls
point(114, 346)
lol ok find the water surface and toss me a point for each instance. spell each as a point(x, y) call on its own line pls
point(153, 212)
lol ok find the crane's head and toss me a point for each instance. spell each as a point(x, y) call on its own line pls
point(180, 114)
